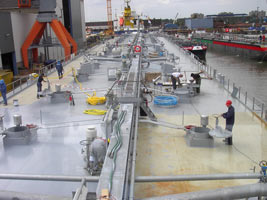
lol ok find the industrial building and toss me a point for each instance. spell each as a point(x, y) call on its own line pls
point(199, 23)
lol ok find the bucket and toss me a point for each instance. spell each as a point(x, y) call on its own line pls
point(15, 102)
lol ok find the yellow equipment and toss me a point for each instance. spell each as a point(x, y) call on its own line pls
point(34, 75)
point(94, 100)
point(7, 76)
point(127, 15)
point(95, 112)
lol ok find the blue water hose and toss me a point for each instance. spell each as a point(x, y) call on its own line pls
point(165, 101)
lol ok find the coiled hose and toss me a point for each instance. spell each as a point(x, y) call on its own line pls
point(165, 100)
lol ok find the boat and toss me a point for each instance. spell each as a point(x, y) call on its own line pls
point(246, 46)
point(197, 49)
point(106, 130)
point(128, 20)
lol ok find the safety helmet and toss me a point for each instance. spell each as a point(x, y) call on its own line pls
point(228, 102)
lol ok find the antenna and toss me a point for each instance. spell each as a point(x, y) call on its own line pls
point(127, 2)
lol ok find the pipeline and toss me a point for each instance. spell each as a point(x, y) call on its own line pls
point(161, 123)
point(7, 195)
point(237, 192)
point(49, 178)
point(198, 177)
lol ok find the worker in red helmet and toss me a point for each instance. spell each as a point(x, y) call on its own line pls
point(230, 120)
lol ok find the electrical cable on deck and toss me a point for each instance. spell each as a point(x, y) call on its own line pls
point(92, 99)
point(117, 146)
point(65, 74)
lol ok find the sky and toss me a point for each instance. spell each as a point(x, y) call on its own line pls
point(96, 10)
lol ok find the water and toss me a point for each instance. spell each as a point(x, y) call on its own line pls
point(250, 75)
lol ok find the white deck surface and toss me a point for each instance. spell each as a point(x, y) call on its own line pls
point(160, 150)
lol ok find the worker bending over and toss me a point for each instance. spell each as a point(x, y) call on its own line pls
point(230, 120)
point(176, 78)
point(197, 79)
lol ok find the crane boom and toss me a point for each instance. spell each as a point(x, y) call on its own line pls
point(109, 13)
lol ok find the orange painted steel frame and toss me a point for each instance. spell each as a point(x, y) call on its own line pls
point(109, 13)
point(25, 3)
point(35, 36)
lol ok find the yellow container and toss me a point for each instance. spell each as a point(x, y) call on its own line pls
point(7, 76)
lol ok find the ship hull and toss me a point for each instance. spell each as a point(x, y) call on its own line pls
point(201, 54)
point(251, 51)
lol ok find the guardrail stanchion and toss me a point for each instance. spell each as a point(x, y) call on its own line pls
point(253, 102)
point(262, 109)
point(246, 97)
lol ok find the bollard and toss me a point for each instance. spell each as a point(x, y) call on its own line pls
point(266, 115)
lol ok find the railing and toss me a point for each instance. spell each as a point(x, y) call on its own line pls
point(25, 82)
point(252, 103)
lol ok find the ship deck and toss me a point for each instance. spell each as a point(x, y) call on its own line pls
point(161, 151)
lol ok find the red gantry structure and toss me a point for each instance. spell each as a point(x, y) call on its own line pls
point(47, 16)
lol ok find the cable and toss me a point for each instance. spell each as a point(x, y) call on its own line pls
point(245, 155)
point(76, 80)
point(94, 112)
point(253, 161)
point(65, 74)
point(165, 100)
point(195, 108)
point(117, 146)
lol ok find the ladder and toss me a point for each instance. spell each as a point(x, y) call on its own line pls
point(148, 111)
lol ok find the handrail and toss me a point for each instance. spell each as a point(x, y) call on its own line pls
point(26, 81)
point(252, 103)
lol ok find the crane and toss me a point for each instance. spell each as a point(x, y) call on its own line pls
point(175, 19)
point(110, 23)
